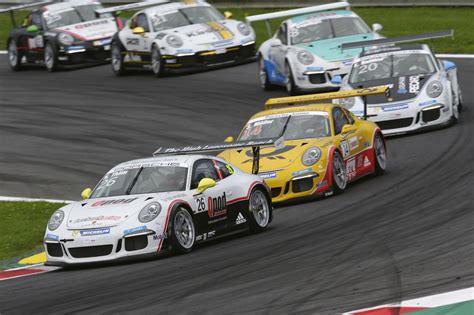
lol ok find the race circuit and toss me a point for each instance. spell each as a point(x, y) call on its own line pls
point(406, 234)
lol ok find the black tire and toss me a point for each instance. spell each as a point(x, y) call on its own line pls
point(184, 242)
point(263, 75)
point(117, 58)
point(157, 65)
point(338, 173)
point(14, 57)
point(51, 57)
point(290, 84)
point(380, 155)
point(260, 210)
point(460, 100)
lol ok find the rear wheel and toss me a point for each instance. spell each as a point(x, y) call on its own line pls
point(263, 75)
point(14, 57)
point(156, 62)
point(339, 177)
point(380, 154)
point(50, 57)
point(259, 211)
point(290, 81)
point(182, 230)
point(117, 59)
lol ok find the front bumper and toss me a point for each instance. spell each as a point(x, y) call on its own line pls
point(209, 59)
point(314, 79)
point(97, 51)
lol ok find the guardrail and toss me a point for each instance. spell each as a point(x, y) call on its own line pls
point(302, 3)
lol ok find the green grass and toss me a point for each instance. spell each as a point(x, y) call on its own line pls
point(22, 226)
point(396, 22)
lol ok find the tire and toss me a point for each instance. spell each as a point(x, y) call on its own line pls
point(14, 57)
point(260, 211)
point(117, 59)
point(51, 57)
point(290, 81)
point(157, 62)
point(460, 100)
point(182, 231)
point(380, 155)
point(339, 176)
point(455, 107)
point(263, 75)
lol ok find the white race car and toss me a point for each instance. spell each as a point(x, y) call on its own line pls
point(305, 53)
point(178, 36)
point(424, 90)
point(147, 206)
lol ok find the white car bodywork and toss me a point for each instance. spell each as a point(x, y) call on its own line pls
point(416, 109)
point(105, 229)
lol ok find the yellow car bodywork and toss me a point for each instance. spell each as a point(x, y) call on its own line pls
point(283, 169)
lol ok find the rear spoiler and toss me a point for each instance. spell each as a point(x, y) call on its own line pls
point(292, 100)
point(21, 7)
point(396, 40)
point(205, 148)
point(275, 15)
point(132, 6)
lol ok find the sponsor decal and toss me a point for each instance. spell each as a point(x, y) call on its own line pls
point(351, 168)
point(392, 108)
point(216, 206)
point(95, 232)
point(366, 144)
point(205, 236)
point(184, 51)
point(430, 102)
point(132, 41)
point(367, 162)
point(240, 219)
point(52, 237)
point(306, 170)
point(353, 143)
point(347, 62)
point(324, 183)
point(113, 202)
point(345, 148)
point(267, 175)
point(159, 237)
point(402, 86)
point(314, 68)
point(92, 23)
point(135, 230)
point(99, 218)
point(414, 84)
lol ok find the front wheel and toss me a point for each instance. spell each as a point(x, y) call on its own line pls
point(259, 211)
point(51, 57)
point(263, 75)
point(117, 59)
point(156, 62)
point(339, 177)
point(290, 81)
point(380, 153)
point(14, 57)
point(182, 230)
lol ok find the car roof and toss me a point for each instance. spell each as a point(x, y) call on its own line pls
point(323, 14)
point(66, 5)
point(325, 107)
point(394, 48)
point(174, 6)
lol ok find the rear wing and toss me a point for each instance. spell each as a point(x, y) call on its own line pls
point(132, 6)
point(11, 10)
point(397, 40)
point(292, 100)
point(275, 15)
point(205, 148)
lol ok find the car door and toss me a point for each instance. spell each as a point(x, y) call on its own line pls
point(138, 42)
point(279, 48)
point(33, 42)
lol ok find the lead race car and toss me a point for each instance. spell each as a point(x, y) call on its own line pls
point(62, 33)
point(425, 92)
point(180, 36)
point(164, 203)
point(321, 147)
point(304, 54)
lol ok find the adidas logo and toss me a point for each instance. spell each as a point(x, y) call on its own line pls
point(240, 219)
point(366, 162)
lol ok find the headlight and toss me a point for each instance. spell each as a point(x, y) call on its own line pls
point(150, 212)
point(305, 57)
point(56, 220)
point(311, 156)
point(348, 102)
point(65, 39)
point(434, 89)
point(243, 29)
point(174, 41)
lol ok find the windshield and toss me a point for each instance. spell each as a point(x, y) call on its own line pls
point(71, 15)
point(183, 17)
point(389, 65)
point(142, 180)
point(317, 29)
point(303, 125)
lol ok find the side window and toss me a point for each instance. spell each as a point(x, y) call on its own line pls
point(142, 21)
point(203, 169)
point(282, 34)
point(349, 116)
point(37, 20)
point(339, 120)
point(225, 169)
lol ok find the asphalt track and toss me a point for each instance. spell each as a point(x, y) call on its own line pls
point(404, 235)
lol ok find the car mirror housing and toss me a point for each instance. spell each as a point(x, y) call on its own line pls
point(376, 27)
point(229, 139)
point(205, 184)
point(86, 193)
point(138, 30)
point(228, 14)
point(348, 129)
point(276, 42)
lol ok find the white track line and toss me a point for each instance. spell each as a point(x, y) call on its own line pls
point(6, 198)
point(3, 52)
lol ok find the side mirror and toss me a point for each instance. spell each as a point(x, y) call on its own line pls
point(276, 42)
point(348, 129)
point(86, 193)
point(138, 30)
point(118, 13)
point(376, 27)
point(448, 65)
point(337, 79)
point(228, 14)
point(205, 183)
point(32, 29)
point(229, 139)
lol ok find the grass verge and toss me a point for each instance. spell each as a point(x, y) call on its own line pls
point(396, 22)
point(22, 226)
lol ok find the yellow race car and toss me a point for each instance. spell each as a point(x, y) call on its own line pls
point(320, 147)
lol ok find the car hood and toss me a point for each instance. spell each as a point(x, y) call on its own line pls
point(330, 49)
point(208, 33)
point(91, 30)
point(110, 211)
point(272, 159)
